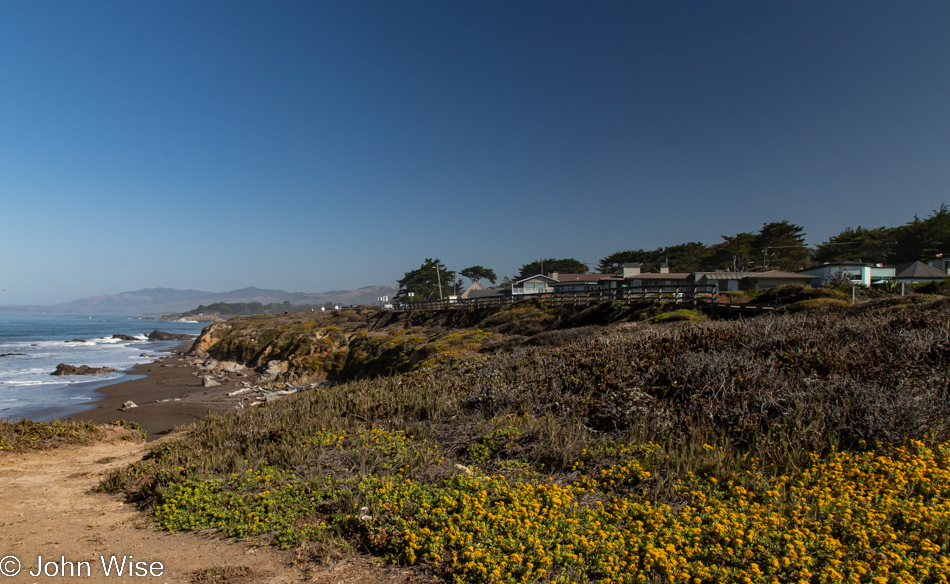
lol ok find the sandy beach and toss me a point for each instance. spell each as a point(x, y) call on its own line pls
point(169, 395)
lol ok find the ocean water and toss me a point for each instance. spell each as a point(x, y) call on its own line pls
point(33, 344)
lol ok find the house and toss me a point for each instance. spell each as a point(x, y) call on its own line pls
point(537, 284)
point(633, 277)
point(476, 290)
point(583, 282)
point(772, 278)
point(917, 273)
point(941, 263)
point(861, 273)
point(729, 281)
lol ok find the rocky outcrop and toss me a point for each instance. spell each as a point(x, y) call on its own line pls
point(157, 335)
point(64, 369)
point(122, 337)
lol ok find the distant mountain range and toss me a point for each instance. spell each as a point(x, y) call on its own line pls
point(159, 301)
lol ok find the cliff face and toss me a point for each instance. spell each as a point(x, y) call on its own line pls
point(298, 342)
point(307, 347)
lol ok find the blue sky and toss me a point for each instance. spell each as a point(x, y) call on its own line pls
point(314, 146)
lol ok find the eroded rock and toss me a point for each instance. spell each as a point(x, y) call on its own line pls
point(64, 369)
point(158, 335)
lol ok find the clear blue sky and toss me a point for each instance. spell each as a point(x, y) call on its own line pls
point(313, 146)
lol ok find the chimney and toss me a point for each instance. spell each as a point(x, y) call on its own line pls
point(554, 275)
point(664, 268)
point(631, 270)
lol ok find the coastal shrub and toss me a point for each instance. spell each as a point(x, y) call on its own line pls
point(791, 293)
point(814, 523)
point(679, 315)
point(797, 446)
point(935, 287)
point(734, 296)
point(20, 435)
point(815, 304)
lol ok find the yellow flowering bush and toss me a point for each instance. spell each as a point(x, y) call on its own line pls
point(848, 518)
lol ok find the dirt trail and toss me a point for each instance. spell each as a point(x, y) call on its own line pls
point(47, 509)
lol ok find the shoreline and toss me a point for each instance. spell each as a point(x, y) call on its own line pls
point(168, 393)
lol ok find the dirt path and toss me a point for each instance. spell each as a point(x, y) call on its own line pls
point(47, 509)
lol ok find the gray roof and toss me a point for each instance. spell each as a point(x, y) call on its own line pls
point(780, 275)
point(918, 270)
point(549, 279)
point(844, 263)
point(656, 276)
point(487, 293)
point(721, 275)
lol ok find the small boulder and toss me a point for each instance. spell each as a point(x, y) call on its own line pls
point(207, 381)
point(231, 367)
point(209, 364)
point(276, 367)
point(128, 406)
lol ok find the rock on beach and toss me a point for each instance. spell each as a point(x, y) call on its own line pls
point(64, 369)
point(158, 335)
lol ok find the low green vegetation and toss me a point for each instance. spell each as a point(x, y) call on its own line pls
point(804, 446)
point(22, 435)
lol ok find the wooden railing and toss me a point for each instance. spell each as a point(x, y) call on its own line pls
point(685, 294)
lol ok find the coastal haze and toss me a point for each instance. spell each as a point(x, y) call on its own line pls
point(162, 301)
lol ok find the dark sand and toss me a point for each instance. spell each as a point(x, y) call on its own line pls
point(169, 395)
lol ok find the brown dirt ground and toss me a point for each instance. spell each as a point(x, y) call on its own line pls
point(48, 509)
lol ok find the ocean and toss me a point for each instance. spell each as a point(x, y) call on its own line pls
point(31, 345)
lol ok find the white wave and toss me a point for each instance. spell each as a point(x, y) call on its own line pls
point(28, 382)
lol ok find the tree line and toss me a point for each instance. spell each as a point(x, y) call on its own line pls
point(779, 245)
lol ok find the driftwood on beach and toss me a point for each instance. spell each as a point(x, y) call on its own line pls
point(271, 394)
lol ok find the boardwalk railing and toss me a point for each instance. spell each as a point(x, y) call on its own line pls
point(684, 294)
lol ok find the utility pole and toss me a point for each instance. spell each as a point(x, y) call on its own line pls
point(438, 277)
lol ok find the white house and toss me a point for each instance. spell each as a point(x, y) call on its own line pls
point(858, 272)
point(537, 284)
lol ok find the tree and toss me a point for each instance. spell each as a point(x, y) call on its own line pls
point(783, 246)
point(425, 281)
point(565, 266)
point(860, 244)
point(923, 239)
point(685, 257)
point(476, 273)
point(734, 254)
point(613, 263)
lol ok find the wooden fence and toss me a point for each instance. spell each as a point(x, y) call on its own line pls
point(692, 294)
